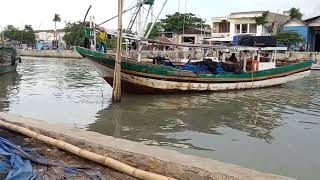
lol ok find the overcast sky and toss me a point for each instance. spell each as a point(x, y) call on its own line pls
point(39, 13)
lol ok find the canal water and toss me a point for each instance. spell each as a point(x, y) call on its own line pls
point(274, 130)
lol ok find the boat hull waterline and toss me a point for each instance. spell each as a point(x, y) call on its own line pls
point(7, 68)
point(136, 84)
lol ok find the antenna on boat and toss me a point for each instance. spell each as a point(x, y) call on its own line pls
point(116, 88)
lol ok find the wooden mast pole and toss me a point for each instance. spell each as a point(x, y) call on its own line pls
point(116, 93)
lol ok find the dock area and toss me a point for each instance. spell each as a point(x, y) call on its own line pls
point(153, 159)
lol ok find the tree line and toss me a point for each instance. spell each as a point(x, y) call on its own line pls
point(19, 36)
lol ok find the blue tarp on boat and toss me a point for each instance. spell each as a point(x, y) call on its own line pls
point(199, 68)
point(203, 68)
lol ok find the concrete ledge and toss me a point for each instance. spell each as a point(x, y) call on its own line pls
point(153, 159)
point(51, 53)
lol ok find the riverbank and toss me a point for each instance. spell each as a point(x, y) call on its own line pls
point(51, 53)
point(154, 159)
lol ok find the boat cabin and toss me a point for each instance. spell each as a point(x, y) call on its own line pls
point(252, 58)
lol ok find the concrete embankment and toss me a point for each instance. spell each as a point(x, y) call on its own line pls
point(153, 159)
point(51, 53)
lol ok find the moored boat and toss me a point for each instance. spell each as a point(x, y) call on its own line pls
point(140, 77)
point(8, 59)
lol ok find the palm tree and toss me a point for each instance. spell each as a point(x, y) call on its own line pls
point(55, 20)
point(295, 13)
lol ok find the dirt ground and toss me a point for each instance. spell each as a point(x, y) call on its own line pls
point(56, 154)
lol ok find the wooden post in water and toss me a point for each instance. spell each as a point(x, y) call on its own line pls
point(116, 93)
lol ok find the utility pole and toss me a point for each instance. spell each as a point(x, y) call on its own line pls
point(116, 91)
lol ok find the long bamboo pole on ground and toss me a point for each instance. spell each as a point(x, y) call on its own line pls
point(116, 93)
point(117, 165)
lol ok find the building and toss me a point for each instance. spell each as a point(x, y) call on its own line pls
point(188, 36)
point(45, 39)
point(244, 23)
point(309, 29)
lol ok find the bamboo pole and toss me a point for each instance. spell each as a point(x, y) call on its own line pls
point(117, 165)
point(116, 91)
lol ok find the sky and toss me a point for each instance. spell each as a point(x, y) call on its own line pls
point(39, 13)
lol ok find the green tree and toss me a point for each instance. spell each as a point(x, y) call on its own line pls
point(289, 37)
point(25, 36)
point(295, 13)
point(28, 35)
point(262, 20)
point(12, 33)
point(74, 34)
point(111, 43)
point(177, 21)
point(156, 31)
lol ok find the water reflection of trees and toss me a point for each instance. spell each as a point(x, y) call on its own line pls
point(256, 113)
point(9, 86)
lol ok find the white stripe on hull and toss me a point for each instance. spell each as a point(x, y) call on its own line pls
point(315, 67)
point(192, 86)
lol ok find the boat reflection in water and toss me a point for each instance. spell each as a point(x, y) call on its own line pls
point(154, 119)
point(266, 129)
point(9, 87)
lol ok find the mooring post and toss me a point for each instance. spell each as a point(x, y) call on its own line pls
point(116, 93)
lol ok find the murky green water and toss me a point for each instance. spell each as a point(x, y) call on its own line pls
point(274, 130)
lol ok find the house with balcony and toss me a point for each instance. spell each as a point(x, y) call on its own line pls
point(244, 23)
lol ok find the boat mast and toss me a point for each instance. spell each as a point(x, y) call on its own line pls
point(93, 29)
point(116, 91)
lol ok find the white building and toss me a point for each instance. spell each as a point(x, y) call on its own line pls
point(45, 38)
point(188, 36)
point(244, 23)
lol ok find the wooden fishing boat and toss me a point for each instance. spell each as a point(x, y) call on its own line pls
point(140, 77)
point(8, 60)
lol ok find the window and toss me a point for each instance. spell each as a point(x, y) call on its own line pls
point(237, 28)
point(224, 27)
point(253, 28)
point(168, 35)
point(244, 28)
point(188, 39)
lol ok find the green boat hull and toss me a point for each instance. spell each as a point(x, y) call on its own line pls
point(7, 69)
point(8, 60)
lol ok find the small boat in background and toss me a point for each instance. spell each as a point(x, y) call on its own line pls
point(8, 59)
